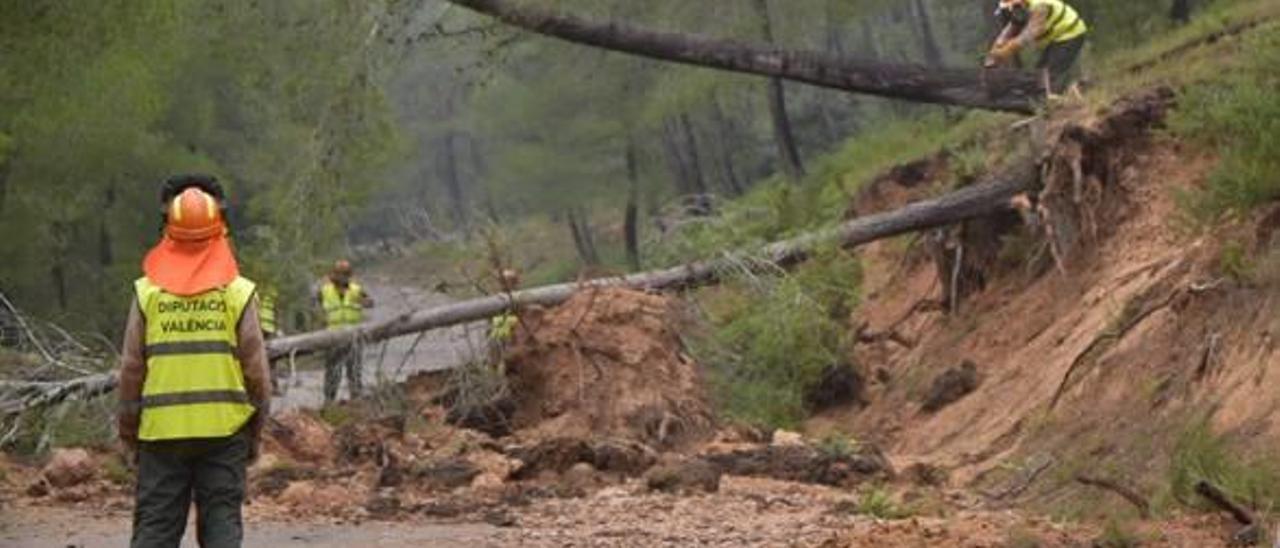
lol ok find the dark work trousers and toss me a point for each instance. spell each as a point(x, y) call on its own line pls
point(1059, 58)
point(342, 359)
point(170, 472)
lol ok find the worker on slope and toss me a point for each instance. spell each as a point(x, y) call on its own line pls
point(502, 328)
point(267, 318)
point(343, 301)
point(1052, 25)
point(194, 388)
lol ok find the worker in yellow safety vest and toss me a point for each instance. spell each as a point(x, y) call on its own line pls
point(194, 388)
point(502, 328)
point(267, 314)
point(343, 301)
point(1051, 25)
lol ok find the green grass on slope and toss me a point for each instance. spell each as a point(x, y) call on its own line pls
point(1238, 116)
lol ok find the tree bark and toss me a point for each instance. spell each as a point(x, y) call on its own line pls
point(1006, 90)
point(966, 203)
point(631, 216)
point(776, 96)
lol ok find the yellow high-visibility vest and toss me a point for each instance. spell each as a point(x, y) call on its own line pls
point(1061, 24)
point(502, 327)
point(342, 309)
point(267, 310)
point(194, 386)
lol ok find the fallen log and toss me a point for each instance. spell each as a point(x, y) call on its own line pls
point(995, 89)
point(966, 203)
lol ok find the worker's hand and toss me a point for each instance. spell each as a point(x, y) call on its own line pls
point(989, 62)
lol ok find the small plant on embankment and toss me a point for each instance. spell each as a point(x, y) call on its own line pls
point(768, 338)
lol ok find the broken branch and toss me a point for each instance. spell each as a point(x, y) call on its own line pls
point(1220, 498)
point(1139, 501)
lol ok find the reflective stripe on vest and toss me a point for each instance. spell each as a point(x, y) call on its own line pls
point(267, 310)
point(342, 308)
point(194, 386)
point(1062, 23)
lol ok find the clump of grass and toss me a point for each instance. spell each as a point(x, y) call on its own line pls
point(1117, 535)
point(880, 504)
point(1238, 116)
point(1202, 455)
point(769, 338)
point(837, 446)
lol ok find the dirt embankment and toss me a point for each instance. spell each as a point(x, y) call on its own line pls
point(1097, 334)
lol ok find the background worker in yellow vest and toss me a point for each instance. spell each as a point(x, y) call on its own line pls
point(1052, 25)
point(267, 314)
point(194, 388)
point(343, 301)
point(502, 328)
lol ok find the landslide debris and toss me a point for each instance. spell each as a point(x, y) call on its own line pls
point(607, 363)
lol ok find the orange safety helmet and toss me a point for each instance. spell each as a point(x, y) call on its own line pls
point(194, 254)
point(194, 215)
point(342, 266)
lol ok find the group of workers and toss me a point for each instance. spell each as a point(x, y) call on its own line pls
point(195, 382)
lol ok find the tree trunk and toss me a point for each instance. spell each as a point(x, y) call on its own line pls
point(932, 53)
point(1180, 11)
point(776, 96)
point(724, 129)
point(691, 153)
point(631, 217)
point(582, 240)
point(453, 183)
point(966, 203)
point(996, 89)
point(676, 159)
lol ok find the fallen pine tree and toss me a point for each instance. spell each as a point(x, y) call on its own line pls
point(993, 89)
point(963, 204)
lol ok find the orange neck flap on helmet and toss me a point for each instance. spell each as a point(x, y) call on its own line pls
point(195, 254)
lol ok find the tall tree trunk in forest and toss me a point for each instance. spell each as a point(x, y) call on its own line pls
point(631, 217)
point(697, 178)
point(4, 180)
point(453, 182)
point(724, 128)
point(105, 255)
point(932, 53)
point(1180, 11)
point(477, 174)
point(833, 42)
point(582, 240)
point(788, 153)
point(675, 158)
point(1007, 90)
